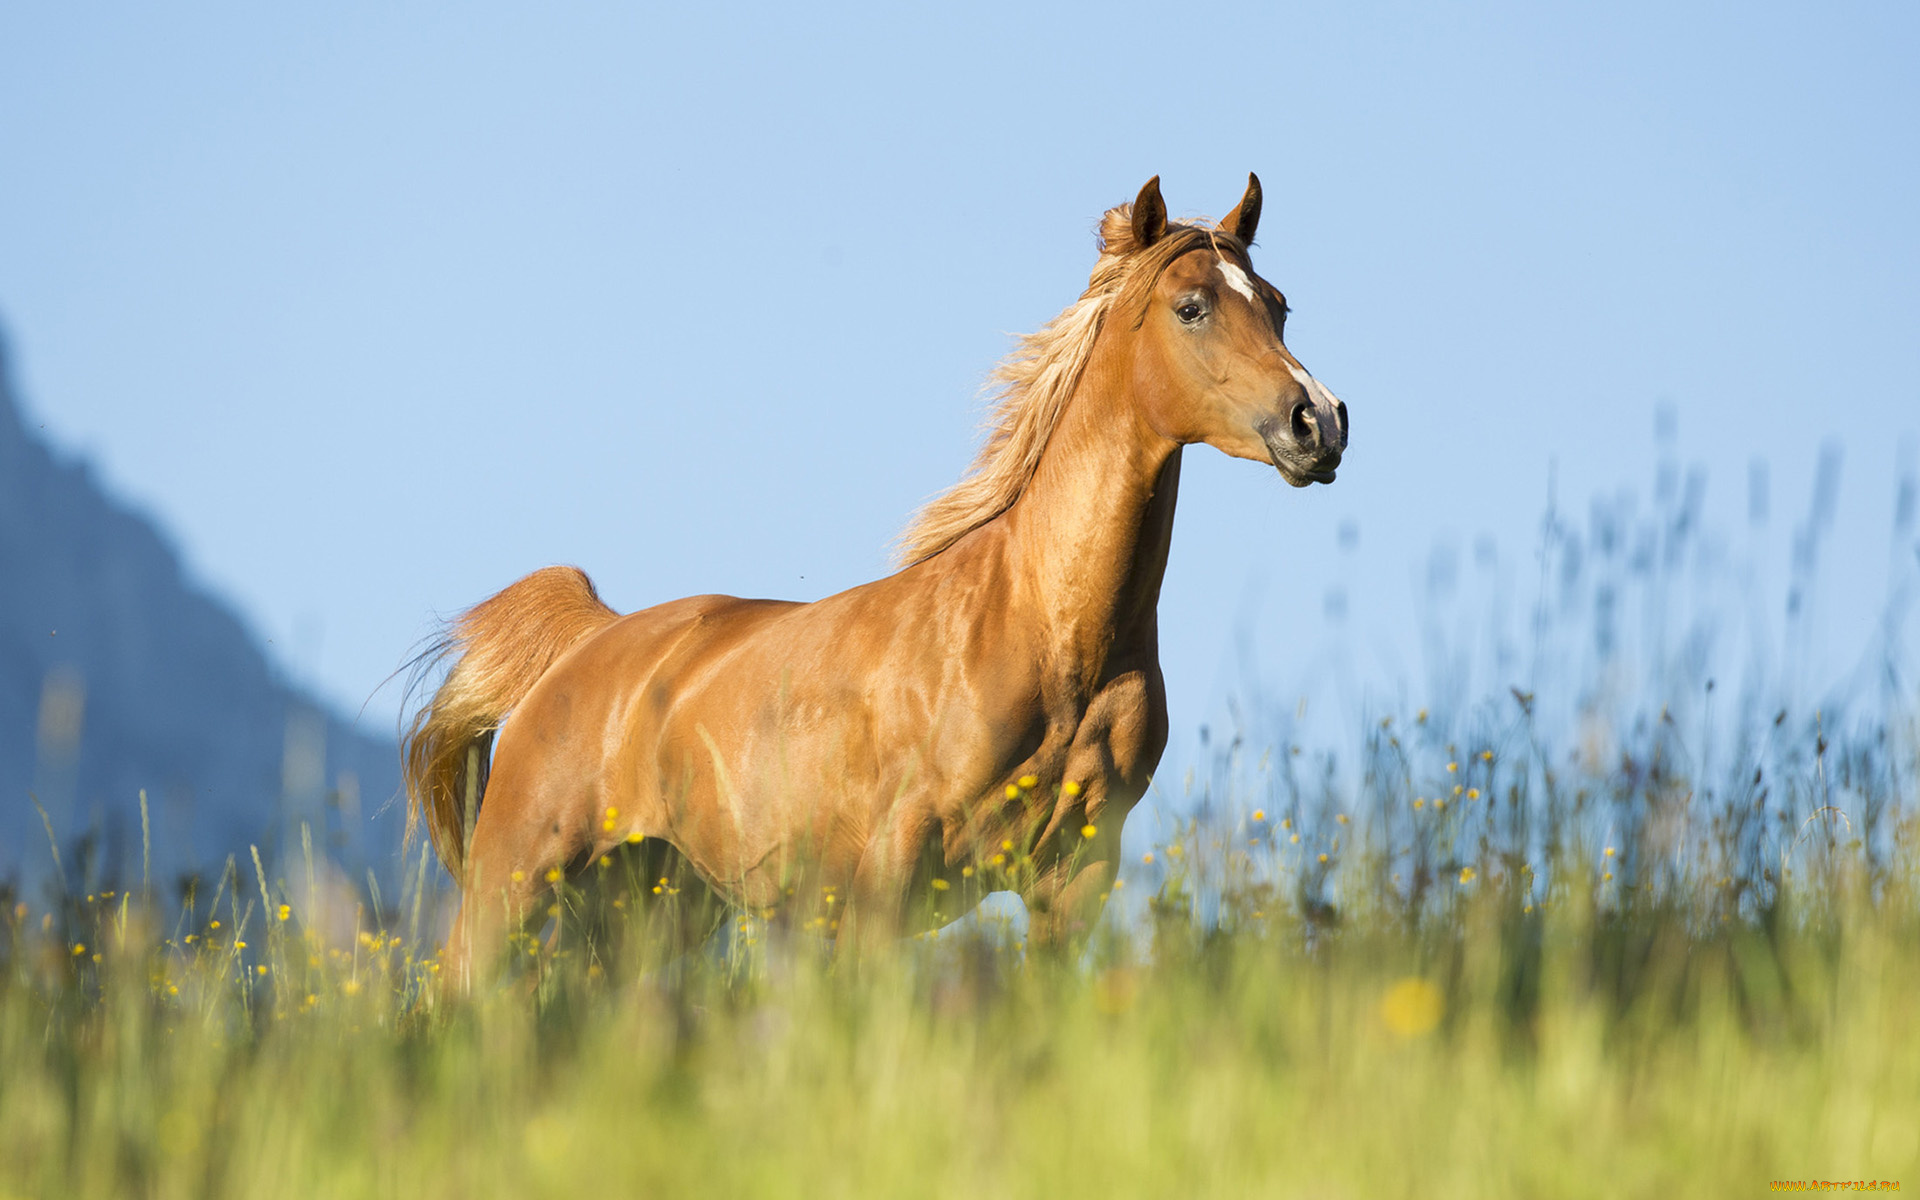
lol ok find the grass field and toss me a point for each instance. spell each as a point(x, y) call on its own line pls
point(1478, 992)
point(1598, 941)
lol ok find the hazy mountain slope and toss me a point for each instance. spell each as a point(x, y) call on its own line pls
point(117, 674)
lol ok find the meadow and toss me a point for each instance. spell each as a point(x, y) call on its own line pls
point(1572, 940)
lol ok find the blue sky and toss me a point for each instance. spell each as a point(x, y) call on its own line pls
point(378, 308)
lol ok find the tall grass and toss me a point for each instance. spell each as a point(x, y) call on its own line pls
point(1503, 1038)
point(1555, 937)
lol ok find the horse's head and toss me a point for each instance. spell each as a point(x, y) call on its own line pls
point(1209, 362)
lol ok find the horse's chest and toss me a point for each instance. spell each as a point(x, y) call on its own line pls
point(1108, 741)
point(1124, 729)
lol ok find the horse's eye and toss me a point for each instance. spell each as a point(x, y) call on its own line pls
point(1189, 312)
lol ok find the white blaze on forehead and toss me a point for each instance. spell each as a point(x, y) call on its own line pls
point(1237, 280)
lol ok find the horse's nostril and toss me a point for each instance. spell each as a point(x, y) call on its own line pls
point(1340, 415)
point(1301, 422)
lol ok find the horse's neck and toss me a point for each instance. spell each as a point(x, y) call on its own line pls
point(1089, 534)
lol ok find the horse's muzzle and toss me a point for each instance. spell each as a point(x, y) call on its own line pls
point(1307, 441)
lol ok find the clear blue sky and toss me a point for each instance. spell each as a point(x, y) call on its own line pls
point(379, 307)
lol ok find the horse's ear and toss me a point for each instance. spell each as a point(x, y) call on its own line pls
point(1245, 217)
point(1149, 217)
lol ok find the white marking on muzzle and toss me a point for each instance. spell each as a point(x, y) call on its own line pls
point(1238, 281)
point(1316, 391)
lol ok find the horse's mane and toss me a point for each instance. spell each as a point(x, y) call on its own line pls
point(1039, 377)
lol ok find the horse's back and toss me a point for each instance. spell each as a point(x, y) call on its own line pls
point(588, 701)
point(650, 650)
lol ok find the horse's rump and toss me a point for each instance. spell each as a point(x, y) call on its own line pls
point(504, 645)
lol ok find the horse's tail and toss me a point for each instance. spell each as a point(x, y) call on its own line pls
point(503, 645)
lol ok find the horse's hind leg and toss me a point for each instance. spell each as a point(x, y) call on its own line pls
point(522, 845)
point(493, 905)
point(504, 881)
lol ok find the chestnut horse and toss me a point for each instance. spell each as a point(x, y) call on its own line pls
point(983, 719)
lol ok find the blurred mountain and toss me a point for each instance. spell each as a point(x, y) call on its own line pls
point(118, 674)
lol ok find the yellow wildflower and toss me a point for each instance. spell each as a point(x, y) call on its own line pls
point(1070, 787)
point(1087, 831)
point(1412, 1007)
point(1029, 781)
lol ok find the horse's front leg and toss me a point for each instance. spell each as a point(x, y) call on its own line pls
point(1065, 900)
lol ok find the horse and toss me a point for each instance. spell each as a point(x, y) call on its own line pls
point(872, 763)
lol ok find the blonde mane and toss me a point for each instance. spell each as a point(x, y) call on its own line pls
point(1035, 382)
